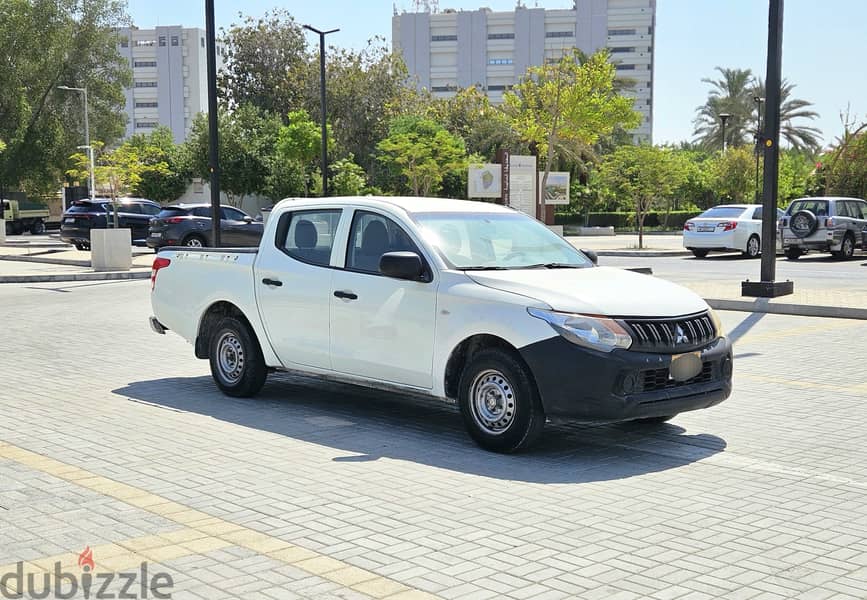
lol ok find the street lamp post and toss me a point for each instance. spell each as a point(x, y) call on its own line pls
point(724, 117)
point(322, 35)
point(92, 184)
point(759, 137)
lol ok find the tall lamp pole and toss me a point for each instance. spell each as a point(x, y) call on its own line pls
point(324, 144)
point(213, 141)
point(92, 184)
point(768, 287)
point(759, 140)
point(724, 117)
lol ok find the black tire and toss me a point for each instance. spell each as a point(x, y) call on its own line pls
point(237, 364)
point(754, 247)
point(803, 223)
point(699, 253)
point(794, 253)
point(37, 228)
point(497, 377)
point(655, 420)
point(847, 248)
point(194, 241)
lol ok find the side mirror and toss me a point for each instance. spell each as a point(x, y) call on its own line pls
point(401, 265)
point(248, 219)
point(591, 255)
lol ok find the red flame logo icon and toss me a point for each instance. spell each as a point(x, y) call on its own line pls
point(85, 559)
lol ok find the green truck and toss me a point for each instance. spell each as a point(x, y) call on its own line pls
point(23, 215)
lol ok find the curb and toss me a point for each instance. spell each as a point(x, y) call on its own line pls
point(762, 305)
point(107, 276)
point(71, 262)
point(646, 253)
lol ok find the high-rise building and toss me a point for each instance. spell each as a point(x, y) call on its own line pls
point(451, 49)
point(169, 74)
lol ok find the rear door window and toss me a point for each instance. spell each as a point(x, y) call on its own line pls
point(758, 213)
point(308, 235)
point(132, 208)
point(150, 209)
point(202, 211)
point(232, 214)
point(856, 210)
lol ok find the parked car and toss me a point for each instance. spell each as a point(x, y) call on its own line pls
point(832, 225)
point(726, 228)
point(466, 302)
point(84, 215)
point(190, 225)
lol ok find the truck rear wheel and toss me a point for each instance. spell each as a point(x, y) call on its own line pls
point(237, 364)
point(37, 227)
point(499, 401)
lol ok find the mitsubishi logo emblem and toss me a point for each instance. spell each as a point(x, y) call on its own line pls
point(679, 335)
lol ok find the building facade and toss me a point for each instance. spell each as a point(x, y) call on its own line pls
point(169, 73)
point(448, 50)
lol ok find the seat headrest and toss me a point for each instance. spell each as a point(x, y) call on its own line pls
point(305, 234)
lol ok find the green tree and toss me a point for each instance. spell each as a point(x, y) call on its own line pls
point(158, 147)
point(645, 174)
point(348, 178)
point(572, 101)
point(422, 151)
point(247, 141)
point(298, 146)
point(266, 63)
point(117, 172)
point(734, 94)
point(843, 170)
point(45, 44)
point(733, 175)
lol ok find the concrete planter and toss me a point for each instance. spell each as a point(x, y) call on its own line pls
point(266, 213)
point(2, 231)
point(111, 249)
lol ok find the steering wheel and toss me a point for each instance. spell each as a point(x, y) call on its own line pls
point(514, 254)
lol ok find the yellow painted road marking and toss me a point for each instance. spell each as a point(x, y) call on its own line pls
point(201, 533)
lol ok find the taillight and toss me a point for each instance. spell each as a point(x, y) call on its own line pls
point(173, 220)
point(159, 263)
point(688, 226)
point(782, 222)
point(729, 225)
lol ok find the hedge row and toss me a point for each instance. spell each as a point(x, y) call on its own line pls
point(627, 220)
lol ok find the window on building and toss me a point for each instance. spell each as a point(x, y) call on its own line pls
point(625, 67)
point(621, 32)
point(559, 34)
point(124, 42)
point(146, 104)
point(622, 49)
point(202, 41)
point(647, 102)
point(501, 36)
point(498, 88)
point(145, 84)
point(174, 40)
point(444, 88)
point(162, 41)
point(140, 43)
point(650, 30)
point(443, 38)
point(144, 63)
point(500, 61)
point(145, 125)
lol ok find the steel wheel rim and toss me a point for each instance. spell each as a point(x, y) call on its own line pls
point(492, 400)
point(194, 243)
point(753, 246)
point(230, 357)
point(848, 247)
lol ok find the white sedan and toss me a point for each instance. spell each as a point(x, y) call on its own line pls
point(726, 228)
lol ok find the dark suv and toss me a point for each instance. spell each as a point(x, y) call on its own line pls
point(190, 225)
point(84, 215)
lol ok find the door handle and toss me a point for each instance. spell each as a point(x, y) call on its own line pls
point(274, 282)
point(345, 295)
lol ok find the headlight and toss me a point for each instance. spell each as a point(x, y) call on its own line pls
point(716, 322)
point(597, 333)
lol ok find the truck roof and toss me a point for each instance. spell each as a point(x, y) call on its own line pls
point(409, 204)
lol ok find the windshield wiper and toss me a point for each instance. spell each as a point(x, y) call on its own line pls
point(482, 268)
point(552, 265)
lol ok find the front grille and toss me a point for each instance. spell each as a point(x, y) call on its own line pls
point(678, 334)
point(659, 379)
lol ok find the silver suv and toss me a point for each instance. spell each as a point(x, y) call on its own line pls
point(826, 224)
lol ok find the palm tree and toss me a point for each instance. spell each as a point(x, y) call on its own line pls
point(800, 137)
point(732, 94)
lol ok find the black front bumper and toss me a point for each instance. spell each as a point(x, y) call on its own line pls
point(578, 384)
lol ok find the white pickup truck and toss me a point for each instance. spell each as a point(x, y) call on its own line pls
point(466, 302)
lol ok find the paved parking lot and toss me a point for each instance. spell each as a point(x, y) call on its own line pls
point(115, 439)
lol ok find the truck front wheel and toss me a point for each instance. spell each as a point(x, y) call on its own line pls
point(237, 365)
point(499, 401)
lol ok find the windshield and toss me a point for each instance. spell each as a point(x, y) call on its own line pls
point(722, 212)
point(497, 241)
point(817, 207)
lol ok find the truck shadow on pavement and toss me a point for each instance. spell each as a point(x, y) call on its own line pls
point(368, 425)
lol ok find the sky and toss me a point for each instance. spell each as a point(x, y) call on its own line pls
point(824, 45)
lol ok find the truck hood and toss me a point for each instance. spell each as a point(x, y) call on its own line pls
point(596, 291)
